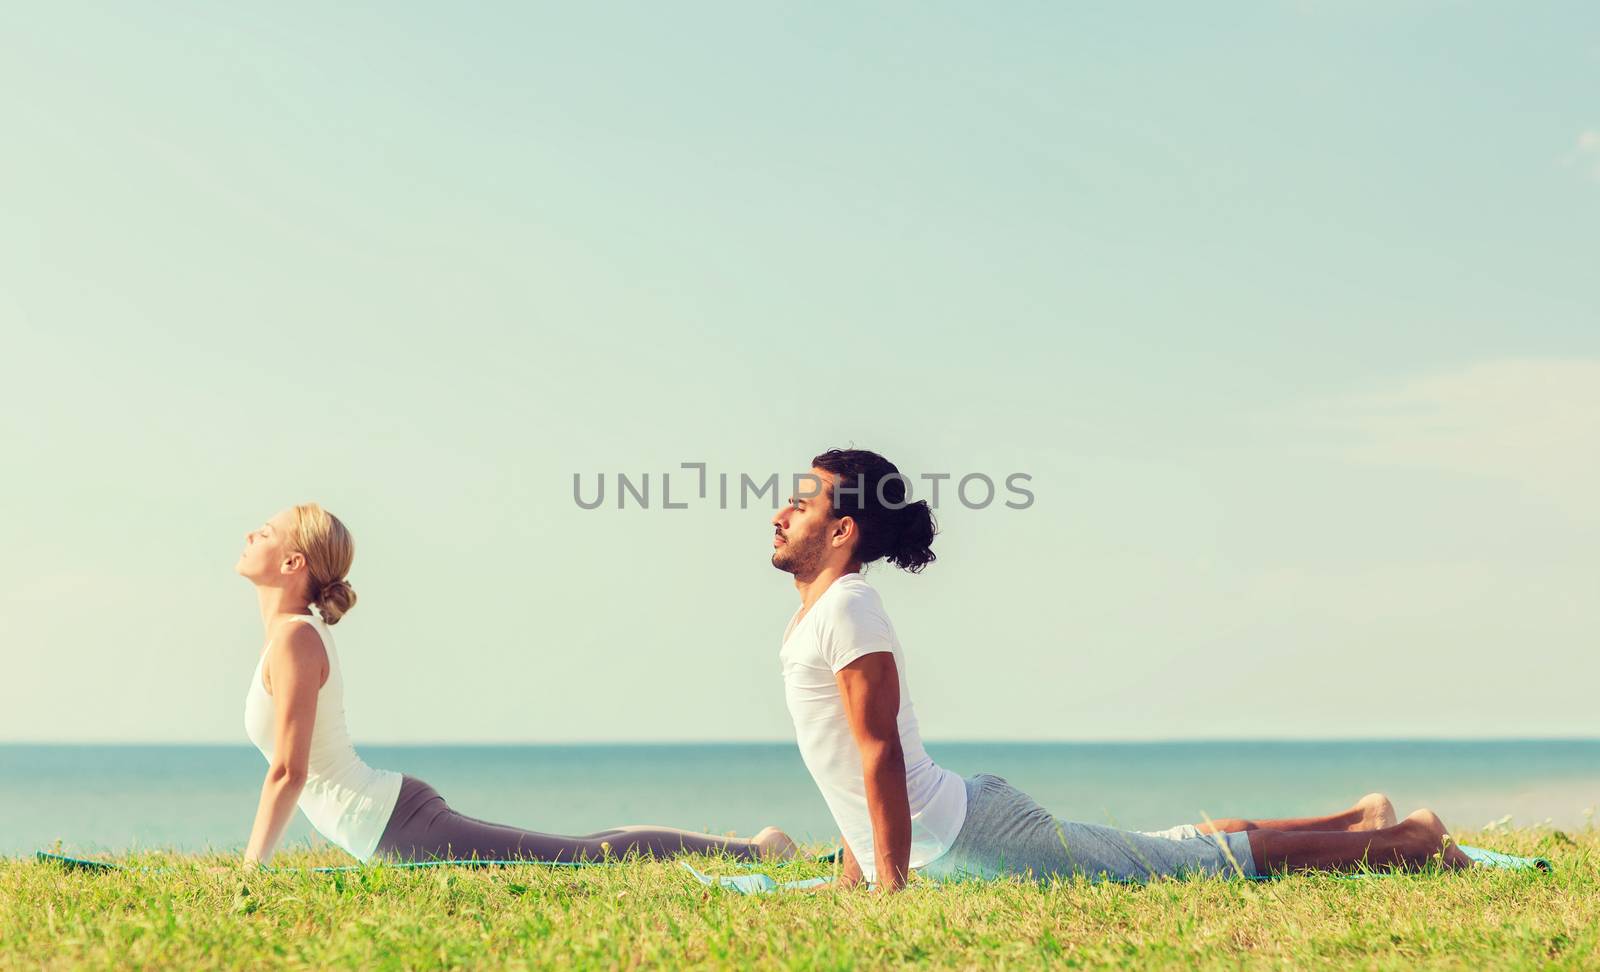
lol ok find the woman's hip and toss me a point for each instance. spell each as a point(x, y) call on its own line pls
point(415, 811)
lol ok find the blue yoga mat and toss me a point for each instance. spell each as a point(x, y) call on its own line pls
point(85, 864)
point(1489, 858)
point(755, 883)
point(762, 884)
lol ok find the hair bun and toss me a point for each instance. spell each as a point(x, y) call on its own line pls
point(334, 599)
point(915, 530)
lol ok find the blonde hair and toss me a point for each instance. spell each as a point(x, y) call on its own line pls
point(328, 549)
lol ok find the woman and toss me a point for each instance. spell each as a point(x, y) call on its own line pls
point(294, 713)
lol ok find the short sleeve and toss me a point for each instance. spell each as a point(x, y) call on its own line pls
point(855, 626)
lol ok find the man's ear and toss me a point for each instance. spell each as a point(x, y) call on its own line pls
point(844, 530)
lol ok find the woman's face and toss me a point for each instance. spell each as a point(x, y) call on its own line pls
point(267, 556)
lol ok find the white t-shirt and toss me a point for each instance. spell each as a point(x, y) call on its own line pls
point(846, 622)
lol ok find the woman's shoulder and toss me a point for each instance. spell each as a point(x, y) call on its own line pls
point(298, 640)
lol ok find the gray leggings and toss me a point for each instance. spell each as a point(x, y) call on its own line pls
point(1006, 832)
point(423, 827)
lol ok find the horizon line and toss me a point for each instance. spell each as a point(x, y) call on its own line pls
point(1079, 741)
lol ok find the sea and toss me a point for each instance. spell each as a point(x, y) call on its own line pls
point(118, 798)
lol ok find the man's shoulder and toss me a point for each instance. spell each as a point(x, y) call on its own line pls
point(853, 624)
point(852, 599)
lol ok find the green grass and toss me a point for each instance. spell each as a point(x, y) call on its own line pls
point(194, 915)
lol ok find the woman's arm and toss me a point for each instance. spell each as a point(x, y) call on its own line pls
point(296, 666)
point(870, 687)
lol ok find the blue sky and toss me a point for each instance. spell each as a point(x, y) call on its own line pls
point(1288, 309)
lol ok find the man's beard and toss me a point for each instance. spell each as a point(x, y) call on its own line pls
point(797, 558)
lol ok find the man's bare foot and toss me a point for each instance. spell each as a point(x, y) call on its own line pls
point(1377, 813)
point(1436, 838)
point(774, 845)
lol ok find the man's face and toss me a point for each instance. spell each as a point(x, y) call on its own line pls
point(803, 531)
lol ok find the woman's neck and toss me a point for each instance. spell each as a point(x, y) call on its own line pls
point(276, 601)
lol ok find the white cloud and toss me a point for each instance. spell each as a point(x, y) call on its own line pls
point(1532, 421)
point(1587, 153)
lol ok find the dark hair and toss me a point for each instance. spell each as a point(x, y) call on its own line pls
point(872, 491)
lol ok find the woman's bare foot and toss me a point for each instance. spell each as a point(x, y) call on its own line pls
point(774, 845)
point(1377, 813)
point(1436, 838)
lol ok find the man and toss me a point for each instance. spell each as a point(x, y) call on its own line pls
point(844, 680)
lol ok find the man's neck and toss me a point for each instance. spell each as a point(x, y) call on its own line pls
point(811, 588)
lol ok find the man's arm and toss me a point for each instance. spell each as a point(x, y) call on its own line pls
point(870, 688)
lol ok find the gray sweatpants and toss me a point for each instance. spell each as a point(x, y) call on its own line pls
point(1006, 832)
point(423, 827)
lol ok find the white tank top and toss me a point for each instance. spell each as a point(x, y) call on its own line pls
point(347, 801)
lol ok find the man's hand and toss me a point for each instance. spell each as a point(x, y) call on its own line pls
point(849, 870)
